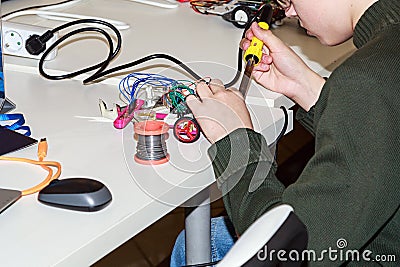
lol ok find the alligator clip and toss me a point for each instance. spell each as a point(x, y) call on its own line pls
point(112, 113)
point(126, 115)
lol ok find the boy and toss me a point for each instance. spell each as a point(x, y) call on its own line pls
point(350, 189)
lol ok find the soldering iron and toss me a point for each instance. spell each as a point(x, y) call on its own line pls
point(253, 54)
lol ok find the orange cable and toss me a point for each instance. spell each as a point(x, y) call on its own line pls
point(42, 153)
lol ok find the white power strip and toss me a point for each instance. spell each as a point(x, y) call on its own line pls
point(15, 36)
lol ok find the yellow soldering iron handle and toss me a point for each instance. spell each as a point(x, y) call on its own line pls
point(255, 49)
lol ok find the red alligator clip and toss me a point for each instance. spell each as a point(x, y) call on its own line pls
point(126, 115)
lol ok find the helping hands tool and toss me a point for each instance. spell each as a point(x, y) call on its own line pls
point(253, 54)
point(127, 114)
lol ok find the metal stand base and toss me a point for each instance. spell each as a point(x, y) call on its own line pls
point(197, 229)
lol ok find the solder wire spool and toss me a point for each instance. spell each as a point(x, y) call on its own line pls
point(151, 148)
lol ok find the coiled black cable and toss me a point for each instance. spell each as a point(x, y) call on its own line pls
point(101, 67)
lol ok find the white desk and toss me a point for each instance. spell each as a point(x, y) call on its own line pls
point(142, 194)
point(33, 234)
point(180, 32)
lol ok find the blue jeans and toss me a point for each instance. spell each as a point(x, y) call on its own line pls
point(222, 239)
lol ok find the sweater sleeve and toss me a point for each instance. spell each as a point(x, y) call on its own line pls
point(244, 168)
point(306, 119)
point(349, 189)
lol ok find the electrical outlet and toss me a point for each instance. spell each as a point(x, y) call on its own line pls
point(15, 36)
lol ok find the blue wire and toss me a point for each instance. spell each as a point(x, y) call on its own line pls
point(130, 90)
point(17, 125)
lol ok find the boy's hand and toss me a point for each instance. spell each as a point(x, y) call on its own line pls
point(219, 111)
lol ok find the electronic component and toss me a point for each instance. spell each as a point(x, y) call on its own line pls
point(238, 12)
point(186, 130)
point(145, 114)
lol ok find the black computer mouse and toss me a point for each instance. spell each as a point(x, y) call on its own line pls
point(82, 194)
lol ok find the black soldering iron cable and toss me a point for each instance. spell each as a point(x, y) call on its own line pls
point(101, 72)
point(99, 66)
point(177, 61)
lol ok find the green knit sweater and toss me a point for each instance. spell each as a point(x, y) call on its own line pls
point(350, 189)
